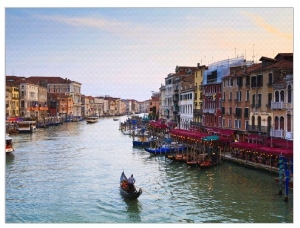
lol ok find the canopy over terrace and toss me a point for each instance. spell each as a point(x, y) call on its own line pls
point(246, 146)
point(157, 124)
point(185, 134)
point(283, 143)
point(276, 151)
point(264, 149)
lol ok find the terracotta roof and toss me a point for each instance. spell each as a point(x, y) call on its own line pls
point(48, 80)
point(280, 64)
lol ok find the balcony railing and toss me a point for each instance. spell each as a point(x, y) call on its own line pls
point(257, 128)
point(209, 110)
point(277, 133)
point(278, 105)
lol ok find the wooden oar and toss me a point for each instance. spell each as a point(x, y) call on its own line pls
point(147, 192)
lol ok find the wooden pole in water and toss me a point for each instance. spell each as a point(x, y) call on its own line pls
point(280, 174)
point(287, 180)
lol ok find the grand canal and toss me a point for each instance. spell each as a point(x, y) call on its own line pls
point(70, 174)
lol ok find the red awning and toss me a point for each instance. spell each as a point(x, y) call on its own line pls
point(157, 124)
point(276, 151)
point(188, 134)
point(245, 145)
point(280, 143)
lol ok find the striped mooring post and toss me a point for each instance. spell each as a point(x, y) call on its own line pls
point(280, 174)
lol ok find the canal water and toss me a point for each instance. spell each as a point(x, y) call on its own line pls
point(70, 174)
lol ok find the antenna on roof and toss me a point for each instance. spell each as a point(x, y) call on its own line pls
point(253, 54)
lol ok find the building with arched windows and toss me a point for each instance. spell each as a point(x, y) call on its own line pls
point(272, 97)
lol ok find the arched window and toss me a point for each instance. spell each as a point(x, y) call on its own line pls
point(240, 98)
point(289, 94)
point(253, 122)
point(277, 96)
point(289, 123)
point(269, 123)
point(281, 123)
point(259, 123)
point(282, 95)
point(276, 123)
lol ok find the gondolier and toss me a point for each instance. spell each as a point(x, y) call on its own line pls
point(131, 182)
point(124, 187)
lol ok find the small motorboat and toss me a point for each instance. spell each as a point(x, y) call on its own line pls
point(92, 119)
point(9, 144)
point(124, 188)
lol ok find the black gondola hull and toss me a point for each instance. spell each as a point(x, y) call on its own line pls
point(126, 193)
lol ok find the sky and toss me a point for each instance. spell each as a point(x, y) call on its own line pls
point(127, 52)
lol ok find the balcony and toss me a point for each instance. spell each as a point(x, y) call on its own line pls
point(277, 133)
point(198, 111)
point(209, 110)
point(257, 128)
point(278, 105)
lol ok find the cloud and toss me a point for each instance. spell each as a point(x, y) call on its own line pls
point(261, 23)
point(120, 28)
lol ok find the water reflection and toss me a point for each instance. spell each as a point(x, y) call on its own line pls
point(133, 210)
point(10, 158)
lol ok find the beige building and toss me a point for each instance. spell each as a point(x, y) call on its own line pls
point(12, 101)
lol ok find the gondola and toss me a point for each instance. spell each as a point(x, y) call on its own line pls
point(124, 188)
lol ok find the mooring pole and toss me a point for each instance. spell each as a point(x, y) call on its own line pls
point(280, 174)
point(287, 180)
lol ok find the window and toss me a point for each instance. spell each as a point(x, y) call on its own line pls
point(269, 99)
point(253, 100)
point(259, 81)
point(246, 112)
point(289, 94)
point(253, 82)
point(238, 112)
point(229, 123)
point(239, 81)
point(259, 100)
point(246, 124)
point(237, 123)
point(270, 79)
point(247, 95)
point(248, 81)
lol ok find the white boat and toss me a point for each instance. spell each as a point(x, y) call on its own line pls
point(92, 119)
point(27, 126)
point(9, 144)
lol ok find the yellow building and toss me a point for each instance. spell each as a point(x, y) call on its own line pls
point(12, 101)
point(198, 108)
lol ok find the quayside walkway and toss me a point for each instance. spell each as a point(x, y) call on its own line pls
point(228, 157)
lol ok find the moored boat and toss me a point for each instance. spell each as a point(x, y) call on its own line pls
point(124, 188)
point(27, 126)
point(9, 144)
point(164, 149)
point(92, 119)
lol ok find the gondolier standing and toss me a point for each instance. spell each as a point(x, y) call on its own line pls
point(131, 181)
